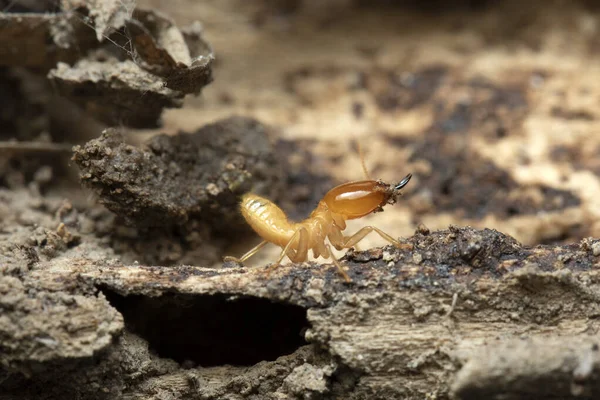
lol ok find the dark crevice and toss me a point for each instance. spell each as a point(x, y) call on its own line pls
point(344, 381)
point(212, 330)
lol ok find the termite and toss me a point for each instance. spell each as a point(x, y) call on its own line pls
point(347, 201)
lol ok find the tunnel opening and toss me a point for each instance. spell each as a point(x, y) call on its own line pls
point(213, 330)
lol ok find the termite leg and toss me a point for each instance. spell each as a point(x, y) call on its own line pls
point(337, 264)
point(360, 235)
point(298, 254)
point(319, 245)
point(336, 237)
point(301, 235)
point(338, 222)
point(248, 254)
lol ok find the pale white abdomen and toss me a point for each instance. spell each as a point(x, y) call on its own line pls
point(268, 220)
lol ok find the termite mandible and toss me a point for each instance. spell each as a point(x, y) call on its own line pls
point(350, 200)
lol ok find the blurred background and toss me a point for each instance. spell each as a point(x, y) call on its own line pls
point(492, 105)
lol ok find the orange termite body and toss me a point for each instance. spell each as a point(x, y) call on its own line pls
point(347, 201)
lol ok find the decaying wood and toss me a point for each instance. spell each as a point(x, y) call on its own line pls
point(466, 313)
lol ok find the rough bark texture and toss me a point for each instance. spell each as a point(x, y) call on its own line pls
point(493, 106)
point(466, 312)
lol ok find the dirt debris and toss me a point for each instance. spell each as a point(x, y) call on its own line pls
point(181, 57)
point(81, 45)
point(109, 90)
point(173, 179)
point(120, 82)
point(160, 71)
point(179, 194)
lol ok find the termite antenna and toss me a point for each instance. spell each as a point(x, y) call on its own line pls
point(403, 182)
point(361, 155)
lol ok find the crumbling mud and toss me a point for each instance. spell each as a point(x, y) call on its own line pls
point(122, 65)
point(40, 120)
point(174, 179)
point(157, 67)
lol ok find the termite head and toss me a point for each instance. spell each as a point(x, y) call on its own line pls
point(357, 199)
